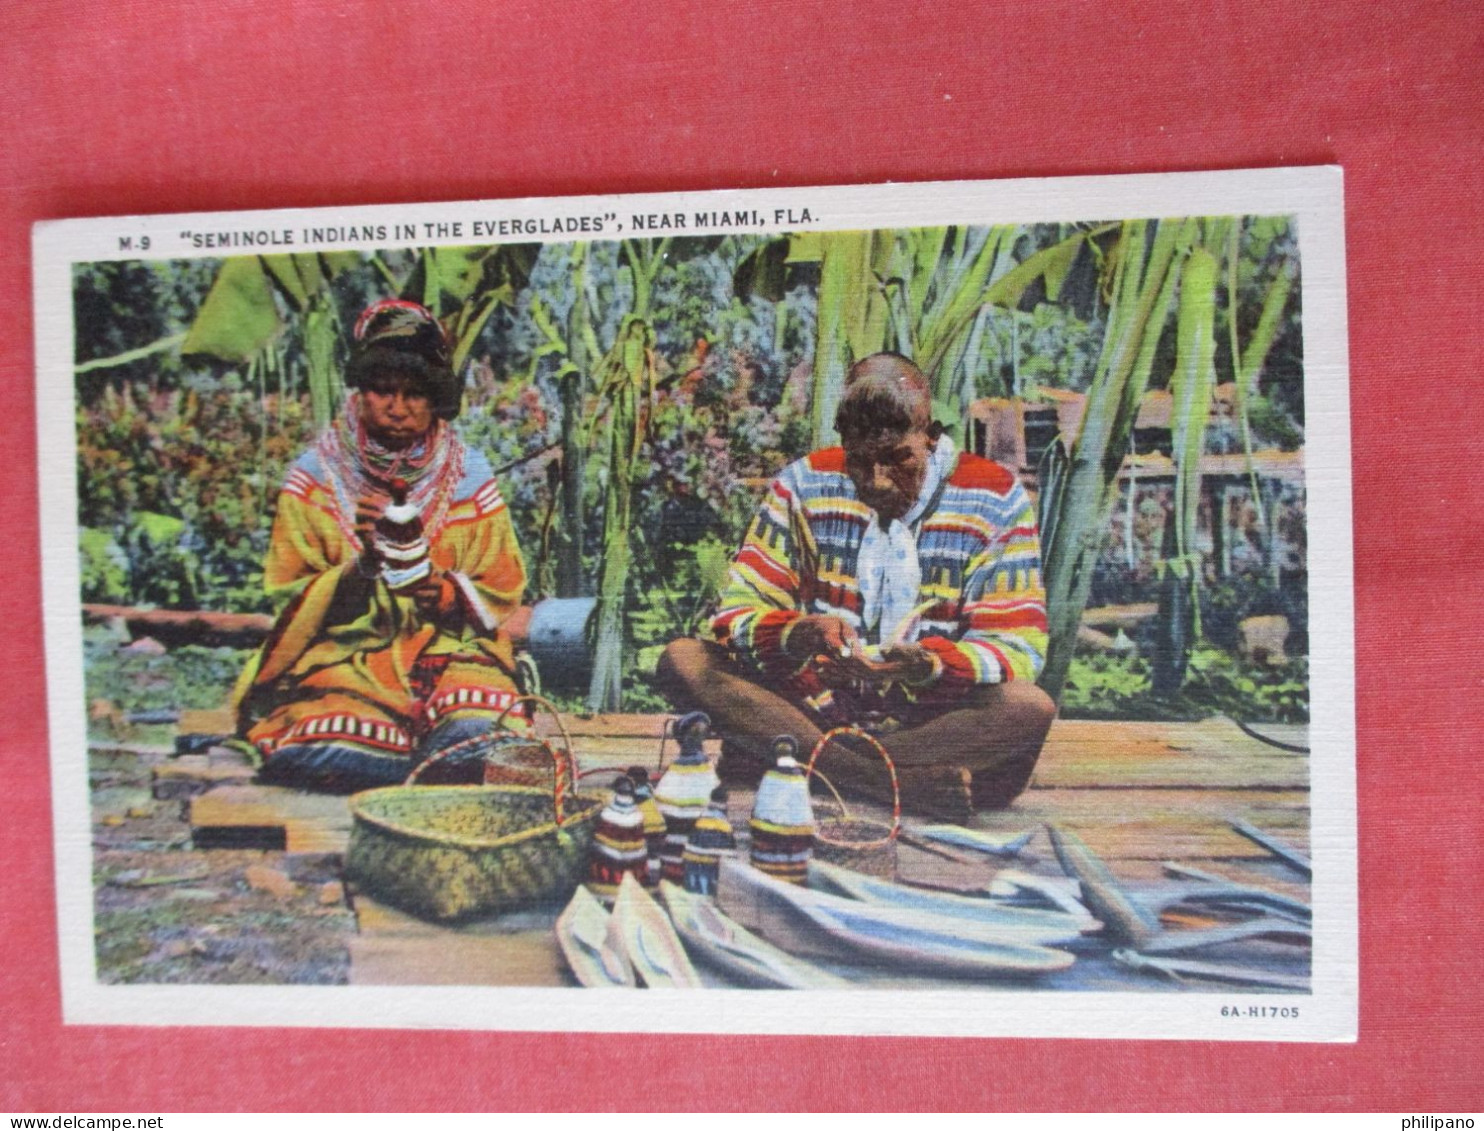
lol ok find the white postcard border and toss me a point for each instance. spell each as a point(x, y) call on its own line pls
point(1330, 1013)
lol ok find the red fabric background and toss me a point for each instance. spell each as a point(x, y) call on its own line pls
point(169, 107)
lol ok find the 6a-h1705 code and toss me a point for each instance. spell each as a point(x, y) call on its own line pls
point(1289, 1011)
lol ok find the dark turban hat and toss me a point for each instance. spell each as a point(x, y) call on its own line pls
point(394, 337)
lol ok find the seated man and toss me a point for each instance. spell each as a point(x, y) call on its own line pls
point(385, 654)
point(892, 583)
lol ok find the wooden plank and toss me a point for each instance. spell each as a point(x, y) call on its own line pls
point(595, 750)
point(1277, 809)
point(1212, 754)
point(393, 948)
point(529, 959)
point(145, 751)
point(1203, 732)
point(1144, 823)
point(1107, 769)
point(216, 720)
point(1119, 616)
point(195, 774)
point(195, 627)
point(265, 816)
point(619, 725)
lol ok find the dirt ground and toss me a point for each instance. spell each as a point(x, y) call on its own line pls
point(166, 912)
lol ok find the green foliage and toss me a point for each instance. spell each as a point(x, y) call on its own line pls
point(1252, 693)
point(626, 381)
point(239, 316)
point(463, 286)
point(1015, 352)
point(1142, 270)
point(180, 458)
point(123, 311)
point(926, 293)
point(675, 604)
point(1272, 425)
point(104, 567)
point(1107, 686)
point(189, 677)
point(183, 483)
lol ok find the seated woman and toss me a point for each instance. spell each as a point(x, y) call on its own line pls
point(378, 660)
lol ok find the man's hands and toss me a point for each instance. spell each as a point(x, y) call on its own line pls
point(824, 637)
point(842, 657)
point(906, 663)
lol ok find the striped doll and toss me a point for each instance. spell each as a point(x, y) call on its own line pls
point(618, 844)
point(709, 841)
point(654, 820)
point(782, 818)
point(683, 791)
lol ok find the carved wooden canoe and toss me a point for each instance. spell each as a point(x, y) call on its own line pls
point(582, 934)
point(975, 840)
point(803, 921)
point(640, 930)
point(737, 952)
point(1027, 924)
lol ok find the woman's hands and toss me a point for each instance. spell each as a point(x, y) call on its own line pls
point(369, 509)
point(435, 595)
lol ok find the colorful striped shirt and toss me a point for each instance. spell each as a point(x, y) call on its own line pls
point(979, 550)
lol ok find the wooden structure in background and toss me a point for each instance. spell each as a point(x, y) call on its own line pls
point(1016, 433)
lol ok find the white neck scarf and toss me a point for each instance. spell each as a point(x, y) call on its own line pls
point(888, 570)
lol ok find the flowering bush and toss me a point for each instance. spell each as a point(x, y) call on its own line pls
point(177, 492)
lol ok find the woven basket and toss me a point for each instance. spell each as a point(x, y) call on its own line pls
point(852, 841)
point(521, 757)
point(452, 852)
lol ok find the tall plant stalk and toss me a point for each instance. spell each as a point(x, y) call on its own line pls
point(1191, 385)
point(1079, 481)
point(626, 376)
point(570, 385)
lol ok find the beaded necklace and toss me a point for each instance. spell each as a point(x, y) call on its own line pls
point(357, 466)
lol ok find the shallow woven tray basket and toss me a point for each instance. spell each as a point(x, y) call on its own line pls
point(457, 851)
point(852, 841)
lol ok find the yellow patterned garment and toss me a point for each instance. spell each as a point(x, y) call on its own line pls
point(353, 672)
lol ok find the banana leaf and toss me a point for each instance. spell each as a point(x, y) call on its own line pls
point(239, 316)
point(463, 286)
point(852, 315)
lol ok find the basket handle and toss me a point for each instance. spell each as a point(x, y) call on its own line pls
point(558, 793)
point(891, 767)
point(569, 752)
point(664, 734)
point(448, 752)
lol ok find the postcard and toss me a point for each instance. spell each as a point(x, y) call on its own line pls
point(890, 609)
